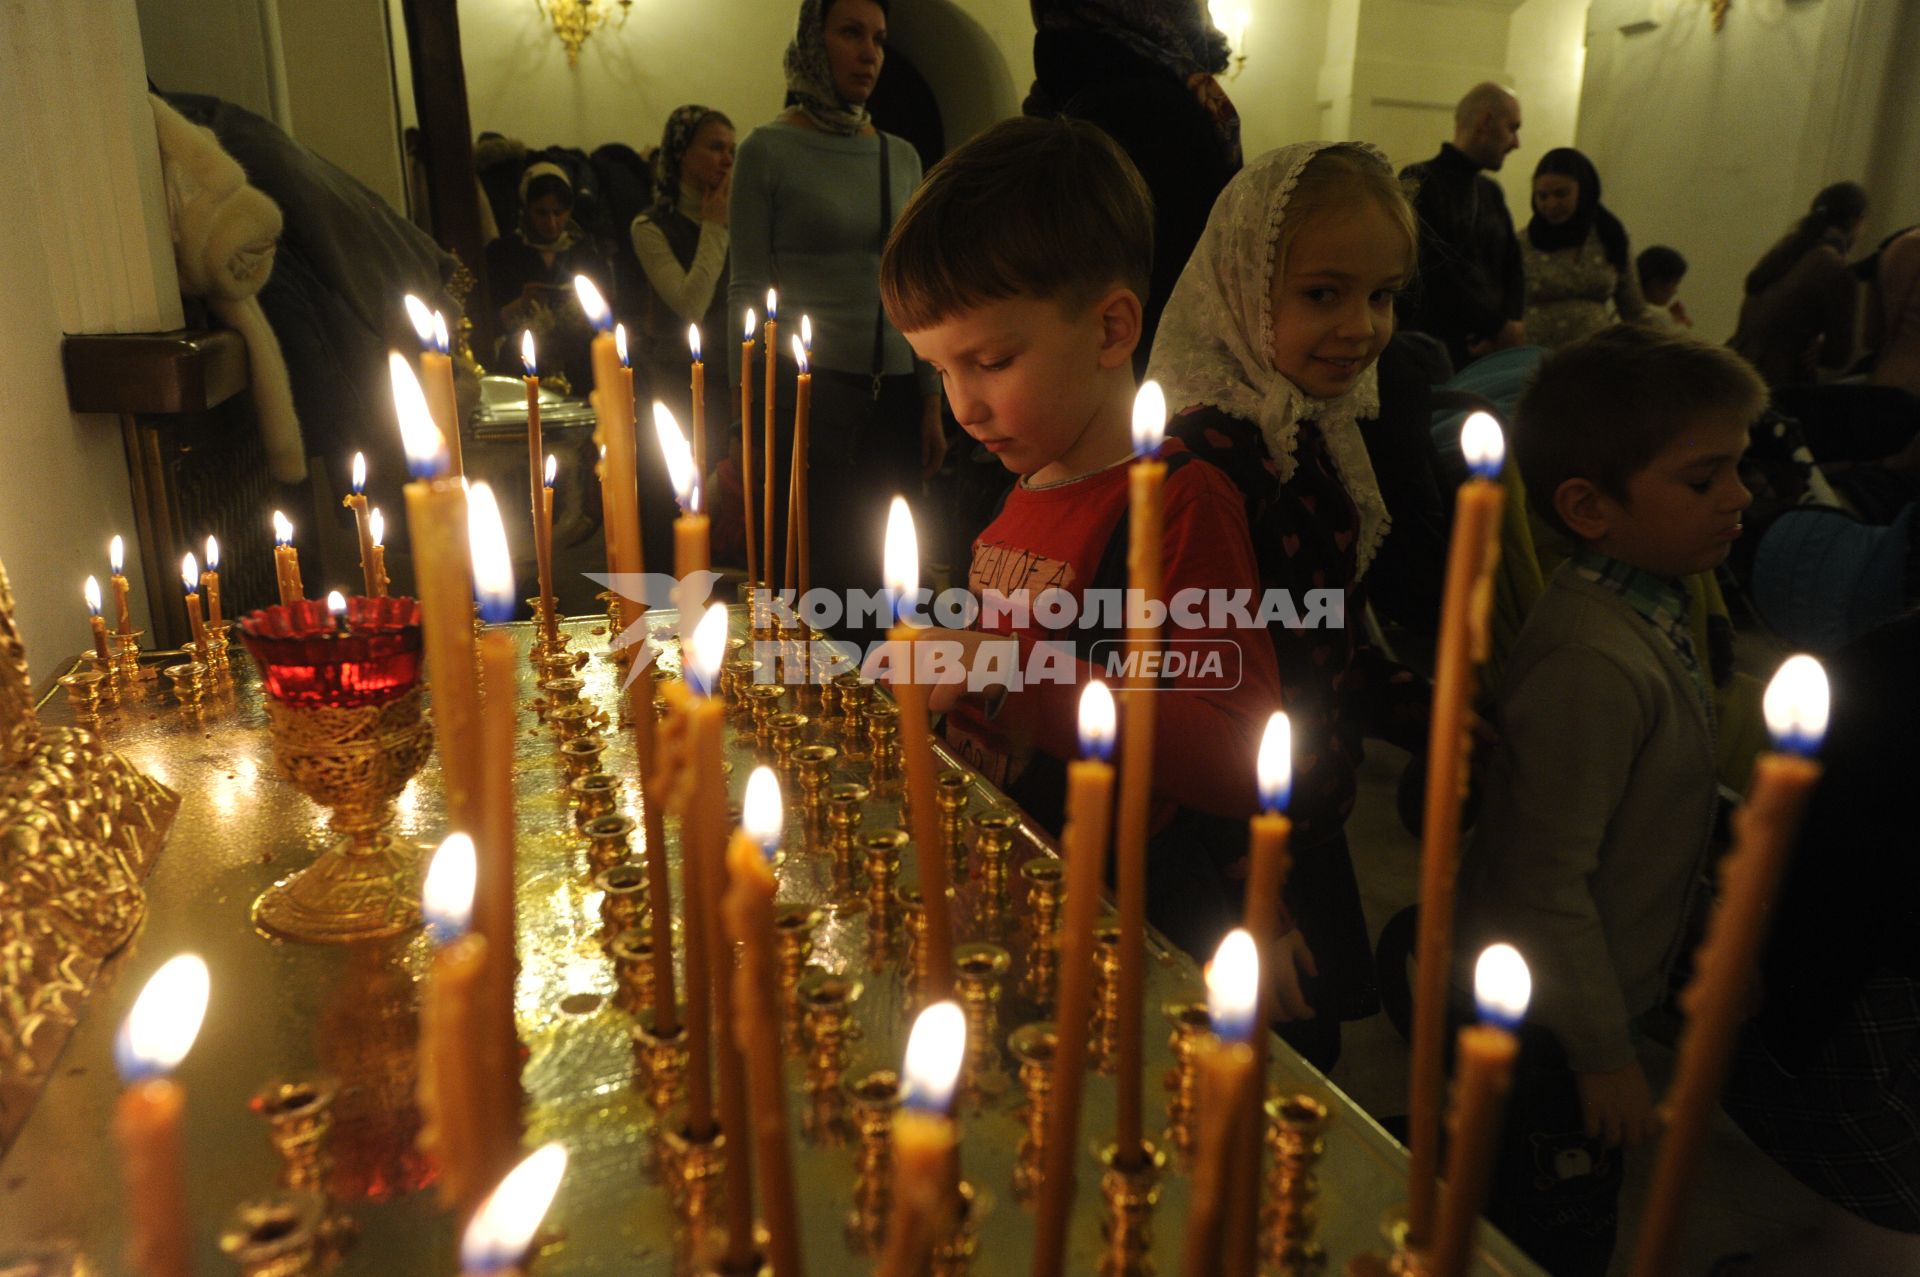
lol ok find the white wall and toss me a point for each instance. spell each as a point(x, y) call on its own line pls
point(340, 86)
point(227, 48)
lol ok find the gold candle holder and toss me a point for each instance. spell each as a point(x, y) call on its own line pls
point(574, 721)
point(562, 691)
point(623, 898)
point(582, 756)
point(992, 839)
point(856, 697)
point(951, 789)
point(1296, 1136)
point(1106, 995)
point(632, 954)
point(978, 971)
point(126, 658)
point(556, 664)
point(872, 1100)
point(1046, 879)
point(830, 710)
point(953, 1254)
point(661, 1068)
point(1128, 1195)
point(1032, 1047)
point(913, 920)
point(692, 1169)
point(846, 808)
point(278, 1235)
point(593, 797)
point(299, 1118)
point(883, 738)
point(785, 731)
point(793, 927)
point(882, 863)
point(1039, 974)
point(188, 681)
point(1191, 1023)
point(736, 676)
point(607, 840)
point(84, 689)
point(763, 702)
point(814, 764)
point(826, 1001)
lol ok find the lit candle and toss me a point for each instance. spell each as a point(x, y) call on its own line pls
point(356, 500)
point(210, 582)
point(1717, 998)
point(756, 1005)
point(546, 534)
point(1084, 840)
point(537, 489)
point(286, 559)
point(452, 1110)
point(901, 562)
point(154, 1038)
point(746, 449)
point(799, 533)
point(117, 562)
point(1483, 1073)
point(925, 1194)
point(773, 351)
point(1462, 642)
point(377, 530)
point(692, 539)
point(99, 625)
point(494, 895)
point(1223, 1060)
point(436, 376)
point(613, 409)
point(1146, 481)
point(503, 1228)
point(699, 402)
point(443, 576)
point(190, 578)
point(337, 610)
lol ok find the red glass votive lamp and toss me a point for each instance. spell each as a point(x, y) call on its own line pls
point(308, 657)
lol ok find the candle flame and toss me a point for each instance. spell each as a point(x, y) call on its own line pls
point(900, 562)
point(336, 604)
point(936, 1048)
point(213, 554)
point(1483, 445)
point(422, 318)
point(620, 342)
point(441, 342)
point(800, 353)
point(592, 303)
point(806, 331)
point(504, 1226)
point(527, 358)
point(359, 473)
point(762, 811)
point(117, 555)
point(377, 526)
point(1797, 704)
point(282, 529)
point(1149, 419)
point(679, 458)
point(693, 341)
point(190, 572)
point(159, 1031)
point(553, 468)
point(773, 305)
point(1233, 981)
point(1097, 721)
point(446, 897)
point(751, 326)
point(92, 591)
point(492, 563)
point(709, 650)
point(425, 446)
point(1274, 769)
point(1502, 985)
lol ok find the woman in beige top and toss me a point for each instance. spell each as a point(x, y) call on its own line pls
point(1580, 277)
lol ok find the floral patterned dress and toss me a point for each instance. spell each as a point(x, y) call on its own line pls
point(1573, 292)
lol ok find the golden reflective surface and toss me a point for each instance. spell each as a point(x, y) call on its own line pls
point(288, 1011)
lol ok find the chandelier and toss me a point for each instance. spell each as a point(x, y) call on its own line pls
point(575, 20)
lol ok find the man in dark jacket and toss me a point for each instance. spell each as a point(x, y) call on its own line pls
point(1472, 290)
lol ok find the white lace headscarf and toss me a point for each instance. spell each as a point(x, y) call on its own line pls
point(1215, 342)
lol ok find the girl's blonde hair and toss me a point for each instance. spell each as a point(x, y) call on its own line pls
point(1339, 178)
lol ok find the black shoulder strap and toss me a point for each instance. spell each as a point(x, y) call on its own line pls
point(886, 228)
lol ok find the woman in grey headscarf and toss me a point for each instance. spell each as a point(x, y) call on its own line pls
point(815, 193)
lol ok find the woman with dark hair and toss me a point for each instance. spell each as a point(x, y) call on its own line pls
point(530, 274)
point(1800, 299)
point(1145, 71)
point(1580, 276)
point(815, 193)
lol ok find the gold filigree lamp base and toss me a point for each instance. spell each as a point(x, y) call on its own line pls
point(345, 896)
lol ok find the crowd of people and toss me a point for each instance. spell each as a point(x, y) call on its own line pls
point(1319, 323)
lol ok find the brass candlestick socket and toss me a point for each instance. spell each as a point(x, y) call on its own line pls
point(582, 755)
point(632, 954)
point(662, 1065)
point(1190, 1024)
point(883, 736)
point(1046, 878)
point(278, 1235)
point(815, 766)
point(736, 676)
point(299, 1118)
point(846, 807)
point(764, 701)
point(692, 1169)
point(953, 1254)
point(593, 796)
point(978, 970)
point(951, 788)
point(1033, 1047)
point(1106, 994)
point(607, 839)
point(873, 1100)
point(572, 721)
point(126, 658)
point(830, 710)
point(1296, 1131)
point(84, 689)
point(785, 730)
point(554, 665)
point(826, 1004)
point(562, 691)
point(913, 919)
point(882, 863)
point(1129, 1194)
point(793, 945)
point(623, 898)
point(856, 695)
point(189, 681)
point(1038, 980)
point(992, 839)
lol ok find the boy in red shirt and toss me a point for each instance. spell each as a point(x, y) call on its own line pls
point(1017, 271)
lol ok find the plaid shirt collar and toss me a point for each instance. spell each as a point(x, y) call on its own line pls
point(1658, 601)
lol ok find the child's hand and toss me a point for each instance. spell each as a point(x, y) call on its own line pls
point(1678, 309)
point(1618, 1106)
point(952, 675)
point(1291, 956)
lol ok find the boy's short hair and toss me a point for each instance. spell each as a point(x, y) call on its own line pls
point(1047, 208)
point(1603, 408)
point(1660, 264)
